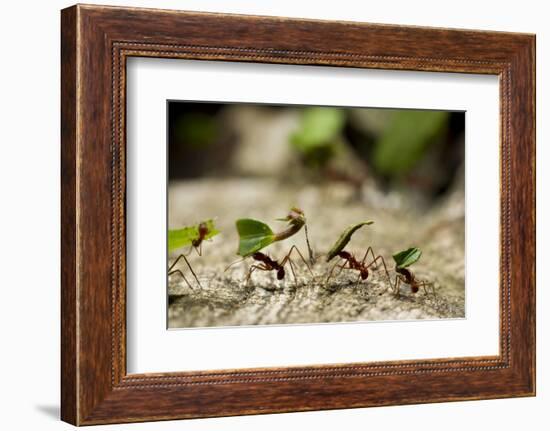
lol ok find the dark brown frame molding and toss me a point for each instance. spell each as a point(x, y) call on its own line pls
point(95, 43)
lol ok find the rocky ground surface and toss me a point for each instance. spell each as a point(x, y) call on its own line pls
point(224, 299)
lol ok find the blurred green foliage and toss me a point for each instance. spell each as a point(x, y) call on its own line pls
point(317, 138)
point(406, 139)
point(197, 129)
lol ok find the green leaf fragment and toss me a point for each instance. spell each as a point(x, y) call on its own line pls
point(345, 238)
point(253, 236)
point(181, 237)
point(407, 257)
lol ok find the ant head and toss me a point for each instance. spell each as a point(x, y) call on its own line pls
point(280, 273)
point(364, 274)
point(414, 288)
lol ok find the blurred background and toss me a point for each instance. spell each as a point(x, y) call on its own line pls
point(419, 153)
point(403, 169)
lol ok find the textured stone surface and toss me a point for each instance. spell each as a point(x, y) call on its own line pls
point(225, 300)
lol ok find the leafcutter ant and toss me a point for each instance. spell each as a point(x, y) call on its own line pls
point(193, 236)
point(255, 235)
point(350, 262)
point(403, 260)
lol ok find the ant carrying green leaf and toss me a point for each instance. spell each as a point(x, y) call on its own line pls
point(403, 260)
point(193, 236)
point(350, 262)
point(255, 235)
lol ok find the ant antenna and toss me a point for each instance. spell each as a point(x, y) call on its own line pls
point(234, 263)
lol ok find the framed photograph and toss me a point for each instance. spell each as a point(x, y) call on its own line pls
point(264, 215)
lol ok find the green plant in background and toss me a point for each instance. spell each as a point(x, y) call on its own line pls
point(316, 139)
point(197, 129)
point(403, 260)
point(350, 262)
point(194, 237)
point(405, 140)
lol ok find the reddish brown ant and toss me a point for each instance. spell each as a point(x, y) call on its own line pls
point(350, 261)
point(269, 264)
point(197, 242)
point(195, 236)
point(407, 276)
point(255, 235)
point(403, 260)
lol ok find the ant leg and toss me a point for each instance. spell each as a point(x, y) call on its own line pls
point(357, 281)
point(373, 262)
point(192, 272)
point(381, 258)
point(191, 248)
point(398, 281)
point(252, 269)
point(332, 271)
point(177, 271)
point(309, 249)
point(373, 257)
point(188, 264)
point(175, 262)
point(233, 263)
point(425, 285)
point(287, 257)
point(291, 264)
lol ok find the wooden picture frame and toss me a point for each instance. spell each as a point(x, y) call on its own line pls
point(95, 43)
